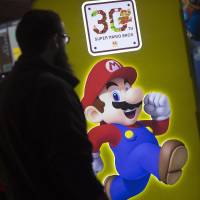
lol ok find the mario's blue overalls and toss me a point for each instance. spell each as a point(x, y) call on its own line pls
point(136, 158)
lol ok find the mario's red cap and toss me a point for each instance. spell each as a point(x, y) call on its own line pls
point(101, 73)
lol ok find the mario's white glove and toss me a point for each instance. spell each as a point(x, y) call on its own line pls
point(157, 105)
point(97, 164)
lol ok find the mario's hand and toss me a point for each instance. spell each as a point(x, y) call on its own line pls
point(157, 105)
point(97, 163)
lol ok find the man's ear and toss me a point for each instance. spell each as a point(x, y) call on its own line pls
point(93, 115)
point(55, 40)
point(53, 43)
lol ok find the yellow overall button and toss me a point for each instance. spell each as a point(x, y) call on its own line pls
point(129, 134)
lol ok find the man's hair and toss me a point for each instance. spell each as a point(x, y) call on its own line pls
point(35, 30)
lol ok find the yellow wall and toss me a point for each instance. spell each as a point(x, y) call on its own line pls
point(162, 65)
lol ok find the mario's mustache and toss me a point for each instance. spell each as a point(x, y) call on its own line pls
point(125, 106)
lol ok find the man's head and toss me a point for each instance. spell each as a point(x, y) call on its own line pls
point(108, 95)
point(42, 31)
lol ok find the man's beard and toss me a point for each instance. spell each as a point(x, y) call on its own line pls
point(61, 60)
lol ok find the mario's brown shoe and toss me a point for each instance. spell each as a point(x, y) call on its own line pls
point(173, 156)
point(107, 184)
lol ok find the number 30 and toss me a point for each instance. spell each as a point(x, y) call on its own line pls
point(123, 19)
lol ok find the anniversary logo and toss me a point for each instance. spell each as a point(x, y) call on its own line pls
point(111, 27)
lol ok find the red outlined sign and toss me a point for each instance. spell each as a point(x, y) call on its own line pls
point(111, 26)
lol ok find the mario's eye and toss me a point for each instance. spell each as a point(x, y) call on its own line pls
point(116, 95)
point(127, 86)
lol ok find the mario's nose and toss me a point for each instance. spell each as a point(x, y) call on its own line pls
point(134, 95)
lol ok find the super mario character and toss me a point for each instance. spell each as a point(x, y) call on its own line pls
point(110, 100)
point(125, 17)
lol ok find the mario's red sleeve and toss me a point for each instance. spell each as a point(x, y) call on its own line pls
point(102, 134)
point(158, 127)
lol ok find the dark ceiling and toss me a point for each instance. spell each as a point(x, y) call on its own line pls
point(13, 9)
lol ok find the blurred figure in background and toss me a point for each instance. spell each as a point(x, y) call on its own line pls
point(191, 11)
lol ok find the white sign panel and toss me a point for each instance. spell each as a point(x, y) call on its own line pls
point(111, 26)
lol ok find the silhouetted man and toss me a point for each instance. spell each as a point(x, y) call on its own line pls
point(42, 126)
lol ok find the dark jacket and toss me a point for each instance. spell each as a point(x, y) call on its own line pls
point(43, 134)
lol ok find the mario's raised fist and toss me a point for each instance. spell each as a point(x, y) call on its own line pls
point(157, 105)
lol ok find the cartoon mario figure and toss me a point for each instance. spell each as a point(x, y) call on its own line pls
point(110, 100)
point(125, 17)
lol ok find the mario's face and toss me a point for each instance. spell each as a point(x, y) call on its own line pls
point(121, 103)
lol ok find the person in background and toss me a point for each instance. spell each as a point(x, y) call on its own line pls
point(43, 138)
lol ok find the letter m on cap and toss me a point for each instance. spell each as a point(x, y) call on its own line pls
point(112, 66)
